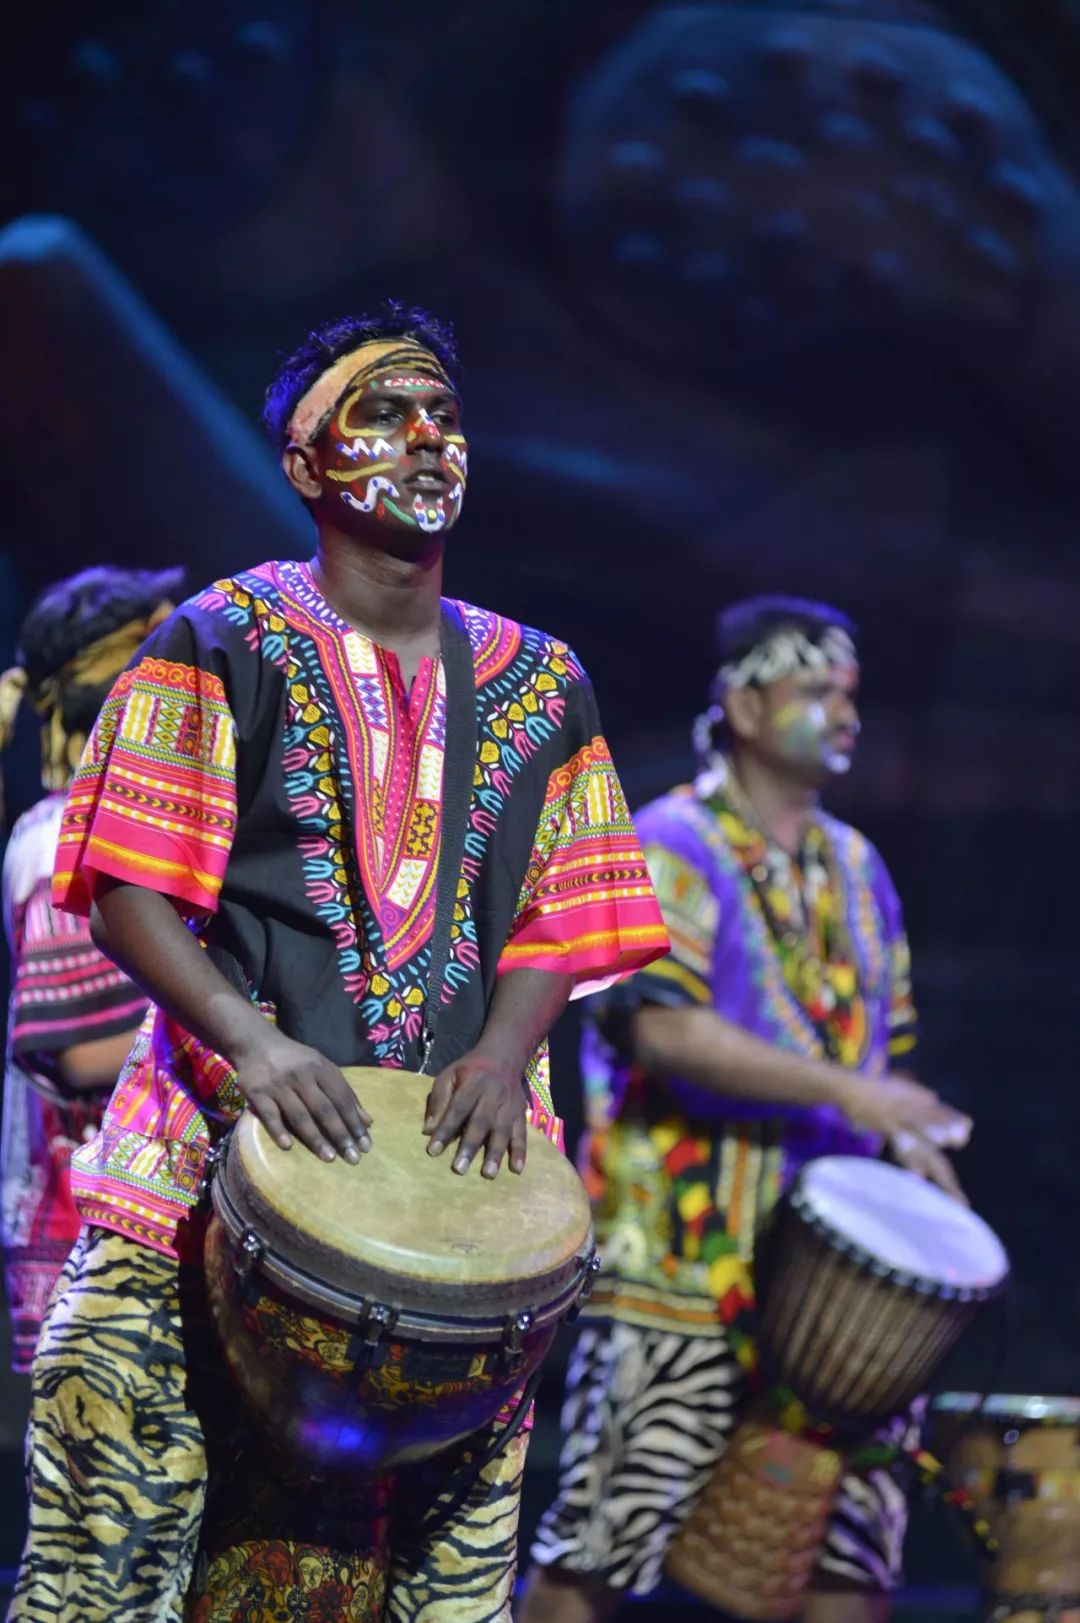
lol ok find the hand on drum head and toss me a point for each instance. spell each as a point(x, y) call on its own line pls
point(295, 1091)
point(483, 1101)
point(917, 1154)
point(917, 1124)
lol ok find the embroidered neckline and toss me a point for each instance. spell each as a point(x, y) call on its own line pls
point(394, 742)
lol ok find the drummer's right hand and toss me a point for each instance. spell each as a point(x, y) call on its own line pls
point(894, 1105)
point(294, 1090)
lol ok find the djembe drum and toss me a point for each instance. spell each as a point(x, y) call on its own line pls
point(866, 1279)
point(1015, 1462)
point(375, 1314)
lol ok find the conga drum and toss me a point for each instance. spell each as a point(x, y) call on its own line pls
point(1016, 1461)
point(866, 1278)
point(375, 1314)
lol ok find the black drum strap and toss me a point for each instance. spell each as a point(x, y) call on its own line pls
point(459, 770)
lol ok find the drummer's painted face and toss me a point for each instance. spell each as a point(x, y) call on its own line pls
point(393, 454)
point(810, 720)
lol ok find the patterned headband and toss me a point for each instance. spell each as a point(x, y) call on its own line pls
point(352, 370)
point(99, 662)
point(787, 651)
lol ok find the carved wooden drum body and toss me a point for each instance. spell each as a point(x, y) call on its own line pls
point(375, 1314)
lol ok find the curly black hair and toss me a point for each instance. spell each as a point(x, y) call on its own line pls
point(326, 344)
point(73, 613)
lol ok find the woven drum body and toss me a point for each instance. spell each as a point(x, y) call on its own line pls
point(375, 1314)
point(752, 1540)
point(866, 1281)
point(1018, 1458)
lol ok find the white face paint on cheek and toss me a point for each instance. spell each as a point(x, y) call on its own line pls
point(801, 728)
point(372, 449)
point(374, 491)
point(816, 719)
point(368, 458)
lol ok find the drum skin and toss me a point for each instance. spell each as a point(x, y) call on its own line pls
point(752, 1540)
point(374, 1315)
point(1018, 1457)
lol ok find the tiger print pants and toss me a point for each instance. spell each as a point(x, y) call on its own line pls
point(131, 1419)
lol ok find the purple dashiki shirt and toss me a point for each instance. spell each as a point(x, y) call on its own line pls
point(808, 953)
point(805, 952)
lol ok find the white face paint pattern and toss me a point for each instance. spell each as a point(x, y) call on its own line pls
point(372, 457)
point(800, 728)
point(376, 487)
point(431, 516)
point(372, 449)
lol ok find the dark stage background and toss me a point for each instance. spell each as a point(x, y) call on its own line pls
point(750, 296)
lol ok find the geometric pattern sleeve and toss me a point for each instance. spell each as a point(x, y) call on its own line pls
point(153, 802)
point(586, 907)
point(691, 912)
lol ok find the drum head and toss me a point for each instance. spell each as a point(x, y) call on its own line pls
point(902, 1222)
point(406, 1213)
point(1010, 1407)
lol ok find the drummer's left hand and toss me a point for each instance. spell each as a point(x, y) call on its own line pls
point(482, 1099)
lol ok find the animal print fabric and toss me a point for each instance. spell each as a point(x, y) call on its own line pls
point(132, 1415)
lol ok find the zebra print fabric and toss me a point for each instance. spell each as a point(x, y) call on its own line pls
point(132, 1415)
point(647, 1414)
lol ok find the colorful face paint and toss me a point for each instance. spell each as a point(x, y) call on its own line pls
point(372, 501)
point(393, 442)
point(800, 725)
point(817, 727)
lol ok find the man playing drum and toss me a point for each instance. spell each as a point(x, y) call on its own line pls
point(776, 1030)
point(254, 833)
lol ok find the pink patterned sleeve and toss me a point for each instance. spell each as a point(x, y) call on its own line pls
point(154, 800)
point(587, 906)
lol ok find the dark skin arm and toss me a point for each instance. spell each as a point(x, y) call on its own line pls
point(86, 1067)
point(703, 1047)
point(296, 1091)
point(292, 1089)
point(481, 1097)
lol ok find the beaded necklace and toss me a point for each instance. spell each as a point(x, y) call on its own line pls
point(803, 903)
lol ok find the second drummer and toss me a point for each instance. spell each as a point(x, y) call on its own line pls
point(265, 783)
point(779, 1028)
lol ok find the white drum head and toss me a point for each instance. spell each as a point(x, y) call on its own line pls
point(1005, 1407)
point(903, 1222)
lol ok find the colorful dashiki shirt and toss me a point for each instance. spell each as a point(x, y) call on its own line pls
point(806, 952)
point(64, 991)
point(263, 765)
